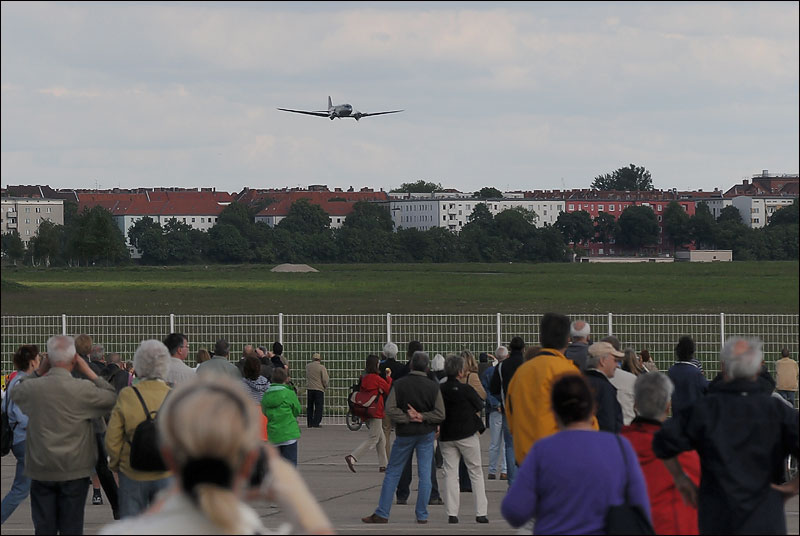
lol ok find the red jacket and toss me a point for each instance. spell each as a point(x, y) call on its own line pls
point(374, 384)
point(669, 513)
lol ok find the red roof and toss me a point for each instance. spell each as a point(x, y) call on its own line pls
point(157, 203)
point(333, 203)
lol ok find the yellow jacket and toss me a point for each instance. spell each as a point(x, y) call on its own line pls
point(125, 417)
point(528, 408)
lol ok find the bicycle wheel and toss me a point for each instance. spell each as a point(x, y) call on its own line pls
point(353, 422)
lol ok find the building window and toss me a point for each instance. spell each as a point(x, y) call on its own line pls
point(38, 221)
point(27, 209)
point(38, 209)
point(599, 208)
point(49, 209)
point(611, 209)
point(571, 206)
point(659, 217)
point(658, 207)
point(202, 220)
point(27, 220)
point(192, 220)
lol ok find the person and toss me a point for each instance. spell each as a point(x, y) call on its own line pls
point(498, 386)
point(647, 361)
point(601, 366)
point(690, 384)
point(472, 378)
point(578, 349)
point(115, 372)
point(483, 363)
point(374, 384)
point(131, 372)
point(389, 361)
point(786, 376)
point(743, 436)
point(277, 359)
point(137, 488)
point(569, 479)
point(93, 354)
point(459, 438)
point(178, 346)
point(497, 457)
point(528, 400)
point(670, 514)
point(624, 381)
point(437, 368)
point(316, 384)
point(26, 360)
point(416, 407)
point(631, 362)
point(219, 364)
point(60, 445)
point(266, 362)
point(210, 441)
point(281, 407)
point(202, 356)
point(254, 383)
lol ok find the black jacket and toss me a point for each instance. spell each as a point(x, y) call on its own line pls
point(508, 367)
point(117, 377)
point(394, 366)
point(461, 403)
point(423, 395)
point(743, 436)
point(609, 412)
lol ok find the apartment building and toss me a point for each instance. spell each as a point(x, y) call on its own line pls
point(23, 215)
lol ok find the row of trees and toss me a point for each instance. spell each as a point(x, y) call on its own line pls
point(367, 235)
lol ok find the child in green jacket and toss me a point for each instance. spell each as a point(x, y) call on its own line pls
point(281, 407)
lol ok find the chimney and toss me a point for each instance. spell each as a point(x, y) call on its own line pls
point(765, 173)
point(745, 182)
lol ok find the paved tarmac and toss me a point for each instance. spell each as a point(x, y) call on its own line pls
point(345, 497)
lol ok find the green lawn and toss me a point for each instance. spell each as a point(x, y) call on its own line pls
point(740, 287)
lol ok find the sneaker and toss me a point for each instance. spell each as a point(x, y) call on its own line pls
point(97, 500)
point(350, 462)
point(492, 476)
point(422, 521)
point(375, 518)
point(381, 469)
point(436, 502)
point(503, 476)
point(452, 519)
point(402, 501)
point(481, 519)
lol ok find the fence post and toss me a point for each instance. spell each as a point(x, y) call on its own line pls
point(721, 330)
point(610, 330)
point(172, 322)
point(499, 332)
point(280, 328)
point(388, 327)
point(63, 324)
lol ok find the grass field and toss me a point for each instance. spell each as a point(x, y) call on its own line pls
point(740, 287)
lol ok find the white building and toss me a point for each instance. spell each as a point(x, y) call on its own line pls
point(23, 215)
point(757, 210)
point(454, 213)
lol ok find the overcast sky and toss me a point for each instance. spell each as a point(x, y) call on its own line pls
point(519, 96)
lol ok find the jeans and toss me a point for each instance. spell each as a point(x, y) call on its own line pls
point(314, 408)
point(57, 507)
point(788, 396)
point(510, 460)
point(136, 495)
point(402, 450)
point(404, 486)
point(497, 455)
point(289, 452)
point(20, 487)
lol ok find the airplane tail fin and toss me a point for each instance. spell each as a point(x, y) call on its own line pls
point(330, 104)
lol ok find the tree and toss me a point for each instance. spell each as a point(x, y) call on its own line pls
point(488, 192)
point(677, 225)
point(228, 244)
point(369, 217)
point(638, 227)
point(12, 246)
point(703, 227)
point(140, 228)
point(480, 215)
point(46, 247)
point(528, 213)
point(306, 218)
point(94, 237)
point(420, 186)
point(785, 216)
point(575, 226)
point(512, 224)
point(625, 178)
point(729, 214)
point(605, 227)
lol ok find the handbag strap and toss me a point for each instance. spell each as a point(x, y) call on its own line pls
point(146, 411)
point(625, 464)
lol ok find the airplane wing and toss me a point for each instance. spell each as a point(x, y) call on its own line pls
point(318, 114)
point(380, 113)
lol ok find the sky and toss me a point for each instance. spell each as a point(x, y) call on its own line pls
point(514, 95)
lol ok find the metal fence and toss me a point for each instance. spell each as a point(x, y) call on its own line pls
point(345, 340)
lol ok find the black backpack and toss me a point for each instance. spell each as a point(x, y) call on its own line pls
point(145, 454)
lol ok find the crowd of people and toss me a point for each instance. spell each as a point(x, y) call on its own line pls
point(578, 427)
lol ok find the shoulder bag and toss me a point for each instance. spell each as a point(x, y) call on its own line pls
point(627, 518)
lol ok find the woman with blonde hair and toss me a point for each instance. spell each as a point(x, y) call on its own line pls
point(647, 361)
point(202, 357)
point(209, 435)
point(631, 363)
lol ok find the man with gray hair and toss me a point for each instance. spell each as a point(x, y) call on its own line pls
point(668, 510)
point(60, 447)
point(743, 436)
point(178, 347)
point(416, 407)
point(219, 364)
point(578, 349)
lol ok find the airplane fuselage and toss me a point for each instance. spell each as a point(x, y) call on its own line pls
point(341, 110)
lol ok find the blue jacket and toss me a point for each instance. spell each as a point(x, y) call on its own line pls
point(17, 419)
point(492, 401)
point(690, 385)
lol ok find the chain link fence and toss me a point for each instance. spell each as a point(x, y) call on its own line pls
point(345, 340)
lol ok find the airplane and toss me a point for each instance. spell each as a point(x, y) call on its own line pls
point(340, 110)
